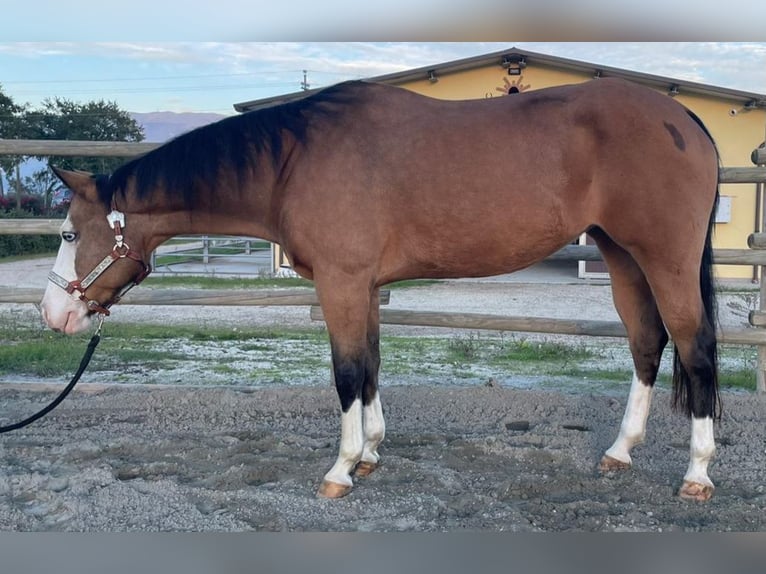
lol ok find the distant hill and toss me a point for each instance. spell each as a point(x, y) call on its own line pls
point(162, 126)
point(158, 127)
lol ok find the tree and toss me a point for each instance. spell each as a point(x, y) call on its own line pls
point(12, 126)
point(61, 119)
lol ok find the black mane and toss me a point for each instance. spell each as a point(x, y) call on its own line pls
point(192, 161)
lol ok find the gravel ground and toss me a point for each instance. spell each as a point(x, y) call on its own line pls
point(481, 457)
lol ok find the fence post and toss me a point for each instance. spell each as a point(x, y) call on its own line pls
point(760, 379)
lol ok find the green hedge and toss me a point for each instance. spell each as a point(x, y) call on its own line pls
point(26, 244)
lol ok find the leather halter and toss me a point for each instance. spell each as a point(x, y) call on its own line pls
point(121, 250)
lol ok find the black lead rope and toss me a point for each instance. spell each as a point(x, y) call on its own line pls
point(80, 370)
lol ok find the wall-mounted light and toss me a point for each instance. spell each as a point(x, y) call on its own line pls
point(751, 105)
point(673, 90)
point(514, 64)
point(432, 76)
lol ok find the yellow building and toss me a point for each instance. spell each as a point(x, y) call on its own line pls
point(736, 119)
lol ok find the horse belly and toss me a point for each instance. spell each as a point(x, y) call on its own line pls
point(473, 253)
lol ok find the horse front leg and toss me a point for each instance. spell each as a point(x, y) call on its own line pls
point(346, 314)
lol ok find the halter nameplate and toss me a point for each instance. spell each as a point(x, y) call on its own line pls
point(98, 270)
point(54, 277)
point(121, 250)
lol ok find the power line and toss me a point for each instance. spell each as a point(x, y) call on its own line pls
point(46, 88)
point(153, 78)
point(157, 89)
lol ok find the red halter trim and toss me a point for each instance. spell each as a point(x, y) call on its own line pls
point(121, 250)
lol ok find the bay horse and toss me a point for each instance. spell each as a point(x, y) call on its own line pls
point(363, 184)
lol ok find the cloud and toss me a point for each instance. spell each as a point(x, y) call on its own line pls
point(211, 76)
point(735, 65)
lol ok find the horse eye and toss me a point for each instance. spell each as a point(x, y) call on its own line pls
point(68, 236)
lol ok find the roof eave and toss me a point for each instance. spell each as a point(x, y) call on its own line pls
point(750, 99)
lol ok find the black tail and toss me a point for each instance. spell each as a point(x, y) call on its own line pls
point(681, 379)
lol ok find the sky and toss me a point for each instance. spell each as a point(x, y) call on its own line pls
point(212, 76)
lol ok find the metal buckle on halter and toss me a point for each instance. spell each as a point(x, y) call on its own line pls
point(117, 217)
point(116, 221)
point(121, 250)
point(72, 286)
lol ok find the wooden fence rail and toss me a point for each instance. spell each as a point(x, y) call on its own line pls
point(223, 297)
point(533, 324)
point(75, 148)
point(30, 226)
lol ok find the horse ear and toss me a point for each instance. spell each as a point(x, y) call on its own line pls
point(81, 183)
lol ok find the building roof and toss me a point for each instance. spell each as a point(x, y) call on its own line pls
point(747, 99)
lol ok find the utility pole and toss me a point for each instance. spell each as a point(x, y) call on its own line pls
point(305, 83)
point(18, 186)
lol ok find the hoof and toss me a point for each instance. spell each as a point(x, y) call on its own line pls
point(609, 464)
point(696, 491)
point(333, 490)
point(364, 468)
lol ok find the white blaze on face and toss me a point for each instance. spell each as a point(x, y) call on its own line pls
point(60, 310)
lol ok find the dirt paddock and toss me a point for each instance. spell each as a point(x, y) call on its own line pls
point(460, 458)
point(492, 458)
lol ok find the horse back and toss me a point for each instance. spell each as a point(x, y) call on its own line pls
point(516, 177)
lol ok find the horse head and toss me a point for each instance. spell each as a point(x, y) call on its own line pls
point(99, 259)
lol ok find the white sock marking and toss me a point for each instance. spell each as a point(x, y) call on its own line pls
point(633, 427)
point(374, 430)
point(702, 450)
point(351, 445)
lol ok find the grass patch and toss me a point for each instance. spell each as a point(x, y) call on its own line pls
point(225, 355)
point(464, 349)
point(499, 351)
point(43, 353)
point(738, 379)
point(198, 282)
point(217, 249)
point(611, 375)
point(43, 358)
point(202, 333)
point(224, 369)
point(525, 351)
point(206, 282)
point(729, 377)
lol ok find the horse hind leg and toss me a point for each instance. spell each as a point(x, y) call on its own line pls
point(695, 391)
point(686, 301)
point(647, 338)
